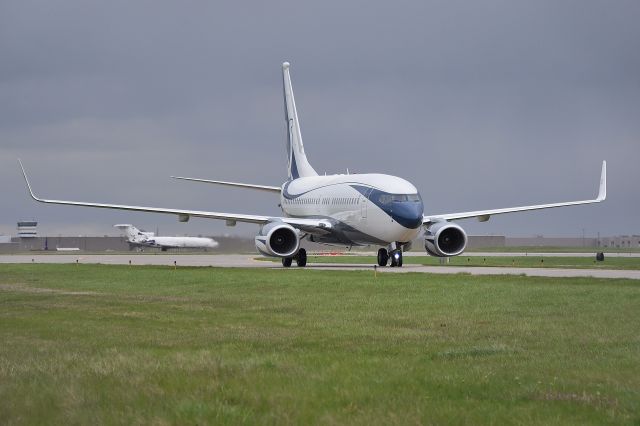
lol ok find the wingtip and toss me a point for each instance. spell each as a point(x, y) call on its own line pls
point(21, 167)
point(602, 191)
point(26, 179)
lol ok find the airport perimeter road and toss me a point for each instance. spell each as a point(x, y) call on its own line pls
point(248, 261)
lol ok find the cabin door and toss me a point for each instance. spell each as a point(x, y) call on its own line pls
point(363, 204)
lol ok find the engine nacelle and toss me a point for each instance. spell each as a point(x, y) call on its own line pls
point(443, 239)
point(278, 239)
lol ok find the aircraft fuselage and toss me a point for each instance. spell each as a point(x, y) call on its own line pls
point(364, 209)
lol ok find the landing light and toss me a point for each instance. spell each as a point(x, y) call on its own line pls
point(396, 255)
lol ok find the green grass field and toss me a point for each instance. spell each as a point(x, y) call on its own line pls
point(500, 261)
point(92, 344)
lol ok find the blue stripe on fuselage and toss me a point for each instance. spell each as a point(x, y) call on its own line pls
point(294, 167)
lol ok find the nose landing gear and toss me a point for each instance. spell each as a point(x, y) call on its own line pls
point(395, 256)
point(383, 257)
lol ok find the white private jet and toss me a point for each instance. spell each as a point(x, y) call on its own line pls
point(344, 209)
point(138, 238)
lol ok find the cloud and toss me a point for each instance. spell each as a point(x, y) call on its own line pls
point(483, 104)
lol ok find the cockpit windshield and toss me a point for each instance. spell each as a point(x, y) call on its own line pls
point(398, 198)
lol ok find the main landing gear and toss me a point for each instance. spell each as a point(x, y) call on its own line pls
point(301, 259)
point(395, 256)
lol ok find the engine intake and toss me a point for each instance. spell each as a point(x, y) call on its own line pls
point(445, 239)
point(278, 239)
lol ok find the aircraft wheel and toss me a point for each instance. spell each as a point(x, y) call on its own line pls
point(286, 261)
point(301, 258)
point(383, 257)
point(396, 258)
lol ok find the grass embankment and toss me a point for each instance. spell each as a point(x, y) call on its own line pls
point(116, 344)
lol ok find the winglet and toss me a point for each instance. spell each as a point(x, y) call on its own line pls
point(26, 179)
point(602, 192)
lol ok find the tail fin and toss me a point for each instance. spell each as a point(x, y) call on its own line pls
point(298, 165)
point(133, 233)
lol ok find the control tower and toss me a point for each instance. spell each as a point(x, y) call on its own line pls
point(27, 229)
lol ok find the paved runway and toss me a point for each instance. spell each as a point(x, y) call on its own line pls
point(534, 254)
point(248, 261)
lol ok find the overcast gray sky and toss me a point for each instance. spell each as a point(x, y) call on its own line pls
point(481, 105)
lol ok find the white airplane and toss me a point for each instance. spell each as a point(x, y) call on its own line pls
point(344, 209)
point(139, 238)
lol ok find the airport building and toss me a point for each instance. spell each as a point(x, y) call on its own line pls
point(28, 241)
point(621, 241)
point(27, 229)
point(110, 244)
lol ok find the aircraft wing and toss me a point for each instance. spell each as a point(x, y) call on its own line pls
point(484, 215)
point(315, 226)
point(237, 185)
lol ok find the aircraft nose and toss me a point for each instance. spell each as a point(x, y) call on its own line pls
point(408, 213)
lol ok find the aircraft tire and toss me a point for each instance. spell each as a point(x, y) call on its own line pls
point(383, 257)
point(301, 258)
point(286, 261)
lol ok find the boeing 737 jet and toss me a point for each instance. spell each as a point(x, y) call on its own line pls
point(345, 209)
point(138, 238)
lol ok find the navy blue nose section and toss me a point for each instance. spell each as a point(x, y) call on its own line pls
point(407, 213)
point(406, 209)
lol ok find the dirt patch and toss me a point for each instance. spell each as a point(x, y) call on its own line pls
point(26, 289)
point(585, 398)
point(23, 288)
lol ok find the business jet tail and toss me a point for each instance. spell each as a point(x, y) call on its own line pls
point(131, 231)
point(298, 166)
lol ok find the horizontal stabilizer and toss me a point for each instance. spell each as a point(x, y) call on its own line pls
point(237, 185)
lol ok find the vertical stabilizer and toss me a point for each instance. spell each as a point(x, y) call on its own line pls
point(298, 165)
point(130, 230)
point(133, 233)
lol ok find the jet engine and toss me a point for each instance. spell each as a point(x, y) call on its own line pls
point(443, 239)
point(278, 239)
